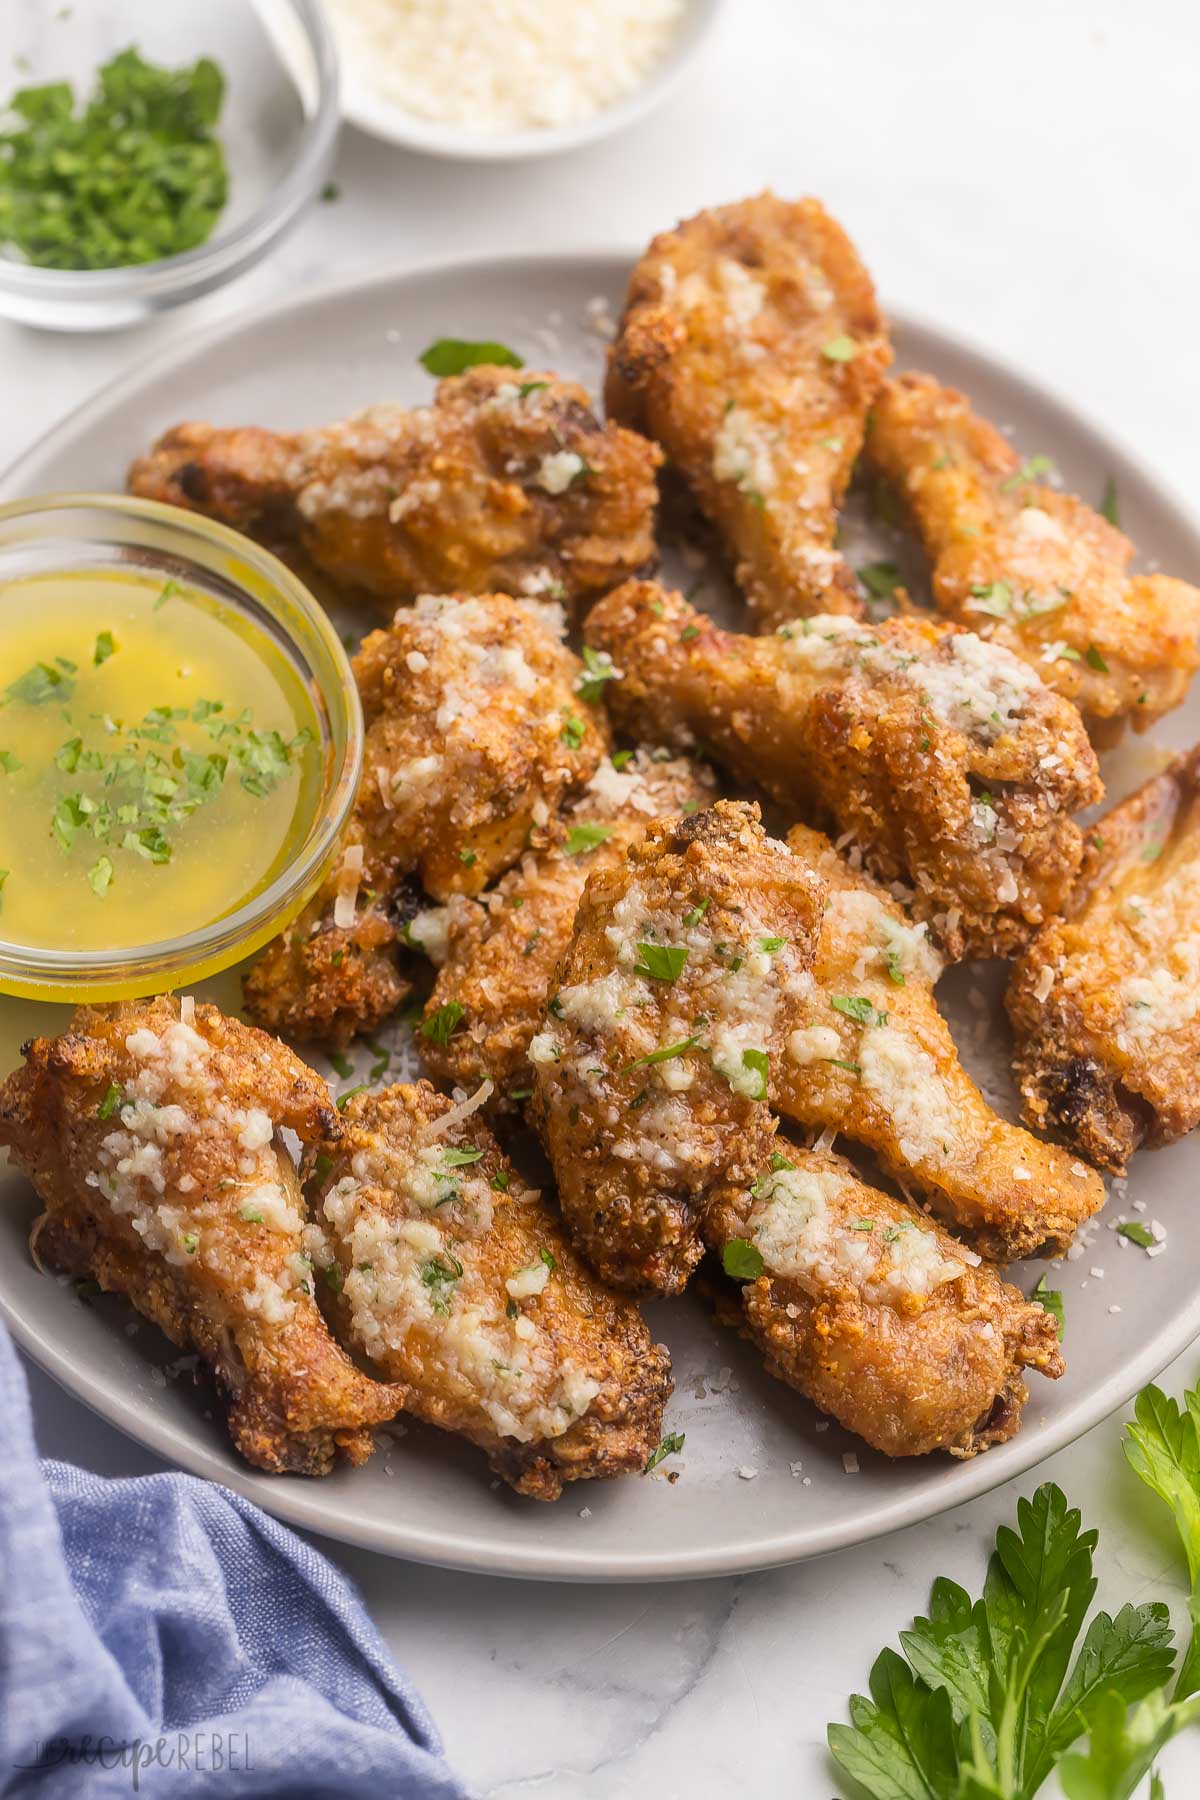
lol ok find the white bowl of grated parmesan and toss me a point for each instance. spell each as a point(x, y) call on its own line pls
point(493, 79)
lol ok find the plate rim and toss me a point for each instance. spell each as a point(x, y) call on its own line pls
point(308, 1506)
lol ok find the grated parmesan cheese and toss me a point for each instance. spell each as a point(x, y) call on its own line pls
point(496, 66)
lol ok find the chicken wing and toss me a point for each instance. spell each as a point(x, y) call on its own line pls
point(507, 482)
point(476, 729)
point(875, 1315)
point(457, 1283)
point(1031, 568)
point(751, 348)
point(150, 1132)
point(943, 758)
point(1105, 1004)
point(874, 1059)
point(497, 959)
point(673, 1001)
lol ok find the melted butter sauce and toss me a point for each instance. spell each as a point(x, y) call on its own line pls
point(158, 760)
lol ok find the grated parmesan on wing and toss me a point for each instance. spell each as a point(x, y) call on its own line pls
point(498, 66)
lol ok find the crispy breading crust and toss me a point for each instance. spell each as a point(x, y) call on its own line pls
point(908, 1375)
point(641, 1147)
point(751, 348)
point(970, 811)
point(475, 734)
point(430, 1344)
point(465, 495)
point(1105, 1004)
point(1033, 568)
point(296, 1400)
point(895, 1084)
point(500, 956)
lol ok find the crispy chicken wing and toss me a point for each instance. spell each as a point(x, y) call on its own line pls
point(751, 348)
point(878, 1317)
point(874, 1059)
point(673, 1000)
point(455, 1280)
point(476, 730)
point(1106, 1002)
point(507, 481)
point(497, 958)
point(1032, 568)
point(944, 758)
point(152, 1140)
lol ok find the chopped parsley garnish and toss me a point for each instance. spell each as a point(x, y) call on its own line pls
point(621, 759)
point(41, 683)
point(573, 732)
point(441, 1025)
point(859, 1008)
point(1095, 660)
point(100, 876)
point(499, 1181)
point(451, 356)
point(468, 858)
point(1110, 505)
point(344, 1099)
point(250, 1213)
point(771, 944)
point(895, 967)
point(757, 1065)
point(661, 962)
point(698, 911)
point(863, 1225)
point(666, 1054)
point(688, 633)
point(670, 1446)
point(598, 669)
point(582, 839)
point(547, 1256)
point(170, 590)
point(342, 1064)
point(838, 349)
point(1028, 471)
point(110, 1102)
point(191, 1242)
point(1051, 1300)
point(881, 579)
point(10, 763)
point(530, 387)
point(851, 1068)
point(135, 175)
point(332, 1276)
point(461, 1159)
point(742, 1260)
point(1136, 1233)
point(105, 647)
point(439, 1274)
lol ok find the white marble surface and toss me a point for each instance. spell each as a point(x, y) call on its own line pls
point(1028, 175)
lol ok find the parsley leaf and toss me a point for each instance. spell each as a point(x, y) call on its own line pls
point(671, 1445)
point(460, 1159)
point(664, 1055)
point(581, 839)
point(742, 1260)
point(1094, 660)
point(661, 962)
point(1136, 1233)
point(1110, 505)
point(105, 647)
point(1028, 471)
point(598, 668)
point(881, 579)
point(698, 911)
point(441, 1025)
point(450, 356)
point(757, 1067)
point(1051, 1300)
point(838, 349)
point(859, 1008)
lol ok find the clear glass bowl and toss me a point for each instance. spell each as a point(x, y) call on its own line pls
point(278, 126)
point(63, 532)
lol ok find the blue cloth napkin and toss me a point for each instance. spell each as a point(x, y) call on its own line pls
point(164, 1636)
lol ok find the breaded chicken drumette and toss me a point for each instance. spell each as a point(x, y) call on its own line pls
point(498, 957)
point(751, 348)
point(876, 1315)
point(456, 1282)
point(152, 1140)
point(1105, 1005)
point(507, 482)
point(476, 730)
point(672, 1003)
point(1032, 568)
point(875, 1060)
point(944, 759)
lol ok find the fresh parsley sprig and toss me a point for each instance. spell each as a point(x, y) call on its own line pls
point(990, 1696)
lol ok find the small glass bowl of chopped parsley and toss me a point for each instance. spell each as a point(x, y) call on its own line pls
point(180, 746)
point(149, 154)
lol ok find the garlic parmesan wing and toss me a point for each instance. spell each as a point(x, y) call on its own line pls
point(942, 757)
point(1032, 568)
point(476, 731)
point(671, 1006)
point(876, 1315)
point(751, 348)
point(874, 1060)
point(455, 1281)
point(508, 481)
point(152, 1140)
point(497, 958)
point(1105, 1005)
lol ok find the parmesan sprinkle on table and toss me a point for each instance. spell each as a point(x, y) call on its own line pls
point(495, 66)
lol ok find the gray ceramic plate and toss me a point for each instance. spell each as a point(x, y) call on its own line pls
point(760, 1482)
